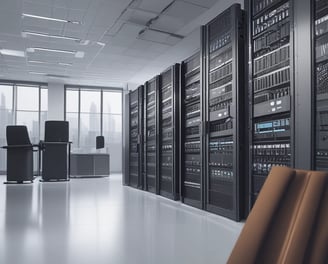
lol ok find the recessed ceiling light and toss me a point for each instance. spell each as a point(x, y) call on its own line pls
point(65, 64)
point(37, 73)
point(51, 50)
point(9, 52)
point(77, 54)
point(51, 63)
point(55, 76)
point(39, 34)
point(51, 19)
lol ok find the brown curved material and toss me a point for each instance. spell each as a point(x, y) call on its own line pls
point(289, 221)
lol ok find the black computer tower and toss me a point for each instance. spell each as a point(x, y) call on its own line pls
point(168, 132)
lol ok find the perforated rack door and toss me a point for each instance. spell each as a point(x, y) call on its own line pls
point(225, 113)
point(191, 139)
point(321, 83)
point(271, 89)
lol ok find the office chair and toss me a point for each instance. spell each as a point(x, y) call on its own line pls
point(56, 151)
point(288, 223)
point(19, 155)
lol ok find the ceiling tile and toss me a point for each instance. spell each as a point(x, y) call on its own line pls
point(202, 3)
point(154, 5)
point(184, 11)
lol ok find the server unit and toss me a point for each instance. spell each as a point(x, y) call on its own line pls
point(135, 138)
point(271, 88)
point(168, 133)
point(191, 132)
point(321, 83)
point(151, 137)
point(224, 50)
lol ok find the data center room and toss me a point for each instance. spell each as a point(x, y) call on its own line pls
point(163, 131)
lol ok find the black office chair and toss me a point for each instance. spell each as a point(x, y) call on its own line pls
point(19, 155)
point(100, 142)
point(56, 151)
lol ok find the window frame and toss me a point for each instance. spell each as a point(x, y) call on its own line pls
point(14, 85)
point(80, 88)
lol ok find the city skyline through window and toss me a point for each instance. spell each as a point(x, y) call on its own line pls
point(95, 112)
point(22, 105)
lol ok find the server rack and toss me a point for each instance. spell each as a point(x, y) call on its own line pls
point(225, 113)
point(191, 132)
point(135, 138)
point(126, 138)
point(321, 83)
point(151, 136)
point(271, 88)
point(168, 133)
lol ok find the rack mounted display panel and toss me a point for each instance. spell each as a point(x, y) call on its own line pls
point(225, 39)
point(168, 133)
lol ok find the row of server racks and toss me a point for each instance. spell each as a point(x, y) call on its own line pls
point(191, 143)
point(213, 118)
point(253, 97)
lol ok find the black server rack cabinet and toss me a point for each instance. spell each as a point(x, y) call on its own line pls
point(321, 83)
point(191, 128)
point(126, 138)
point(226, 131)
point(151, 136)
point(168, 133)
point(135, 138)
point(271, 90)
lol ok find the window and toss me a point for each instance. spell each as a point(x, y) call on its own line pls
point(6, 118)
point(95, 112)
point(90, 116)
point(22, 105)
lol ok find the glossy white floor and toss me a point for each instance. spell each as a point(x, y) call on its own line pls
point(97, 221)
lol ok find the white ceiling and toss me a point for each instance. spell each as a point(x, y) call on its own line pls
point(118, 40)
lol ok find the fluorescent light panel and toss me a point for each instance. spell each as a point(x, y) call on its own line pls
point(77, 54)
point(37, 73)
point(51, 63)
point(51, 19)
point(15, 53)
point(39, 34)
point(51, 50)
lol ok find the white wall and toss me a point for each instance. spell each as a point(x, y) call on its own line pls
point(56, 101)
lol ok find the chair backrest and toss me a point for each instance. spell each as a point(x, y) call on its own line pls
point(100, 142)
point(288, 223)
point(56, 131)
point(17, 135)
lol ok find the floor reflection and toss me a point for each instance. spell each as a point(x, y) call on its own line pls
point(20, 223)
point(54, 216)
point(99, 221)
